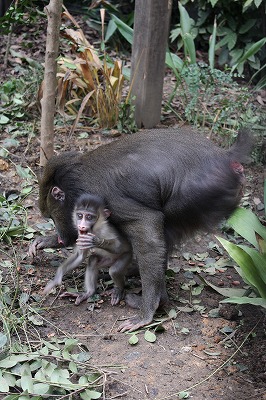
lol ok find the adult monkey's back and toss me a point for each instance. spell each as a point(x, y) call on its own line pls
point(160, 185)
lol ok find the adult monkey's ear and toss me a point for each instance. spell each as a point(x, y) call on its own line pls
point(58, 194)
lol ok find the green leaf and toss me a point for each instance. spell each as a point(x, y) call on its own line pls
point(256, 301)
point(258, 259)
point(212, 42)
point(246, 264)
point(50, 345)
point(246, 5)
point(111, 28)
point(73, 367)
point(232, 38)
point(10, 379)
point(149, 336)
point(90, 395)
point(84, 356)
point(3, 340)
point(70, 344)
point(247, 26)
point(246, 223)
point(133, 339)
point(185, 22)
point(214, 2)
point(83, 380)
point(35, 319)
point(252, 50)
point(172, 313)
point(183, 395)
point(123, 28)
point(190, 47)
point(4, 120)
point(11, 361)
point(26, 378)
point(4, 386)
point(174, 62)
point(41, 388)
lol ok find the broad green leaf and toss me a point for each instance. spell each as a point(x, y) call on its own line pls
point(246, 223)
point(70, 344)
point(41, 388)
point(35, 319)
point(190, 47)
point(247, 25)
point(11, 361)
point(149, 336)
point(123, 28)
point(50, 345)
point(256, 301)
point(4, 386)
point(172, 313)
point(247, 265)
point(111, 28)
point(73, 367)
point(259, 261)
point(90, 395)
point(185, 22)
point(35, 365)
point(252, 50)
point(10, 379)
point(83, 380)
point(247, 4)
point(84, 356)
point(133, 339)
point(212, 42)
point(174, 62)
point(26, 378)
point(214, 2)
point(232, 38)
point(4, 120)
point(3, 340)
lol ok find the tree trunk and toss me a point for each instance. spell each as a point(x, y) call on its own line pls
point(151, 29)
point(53, 11)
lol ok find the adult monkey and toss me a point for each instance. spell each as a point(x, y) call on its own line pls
point(161, 186)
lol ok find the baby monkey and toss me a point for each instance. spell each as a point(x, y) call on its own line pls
point(104, 246)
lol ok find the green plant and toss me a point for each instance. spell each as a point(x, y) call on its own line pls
point(210, 97)
point(53, 368)
point(20, 12)
point(16, 96)
point(240, 39)
point(13, 218)
point(251, 260)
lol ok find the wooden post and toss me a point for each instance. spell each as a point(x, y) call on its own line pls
point(151, 30)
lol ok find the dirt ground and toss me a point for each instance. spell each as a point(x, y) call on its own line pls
point(212, 355)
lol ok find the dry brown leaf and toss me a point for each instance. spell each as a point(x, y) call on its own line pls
point(3, 165)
